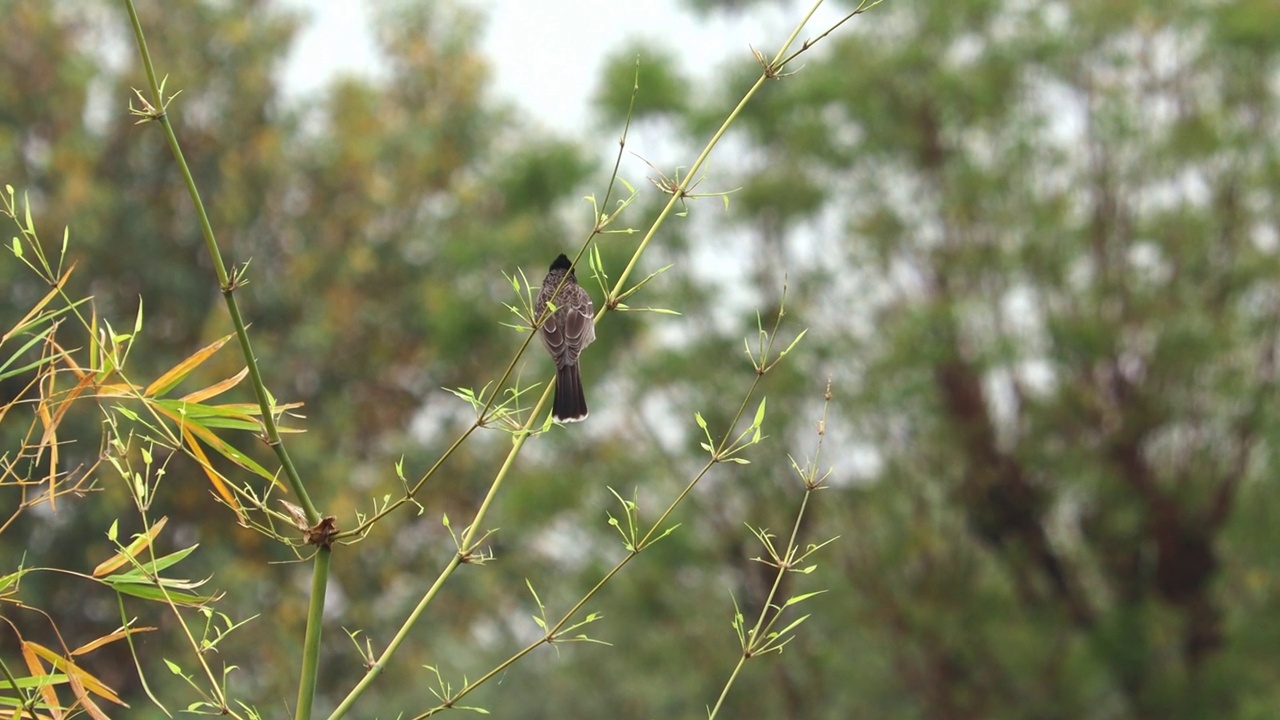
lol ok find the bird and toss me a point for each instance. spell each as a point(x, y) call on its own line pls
point(565, 333)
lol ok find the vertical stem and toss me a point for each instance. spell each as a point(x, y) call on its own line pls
point(311, 643)
point(227, 284)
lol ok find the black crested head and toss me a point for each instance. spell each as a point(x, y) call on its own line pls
point(561, 263)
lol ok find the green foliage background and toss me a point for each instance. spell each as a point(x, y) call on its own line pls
point(1035, 246)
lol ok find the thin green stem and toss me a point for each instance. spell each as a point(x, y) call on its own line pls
point(363, 528)
point(376, 668)
point(753, 644)
point(682, 188)
point(154, 576)
point(311, 641)
point(676, 195)
point(753, 639)
point(225, 284)
point(546, 639)
point(320, 571)
point(158, 102)
point(724, 691)
point(662, 519)
point(788, 556)
point(137, 662)
point(22, 709)
point(465, 549)
point(552, 631)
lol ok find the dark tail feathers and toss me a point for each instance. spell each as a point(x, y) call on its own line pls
point(571, 403)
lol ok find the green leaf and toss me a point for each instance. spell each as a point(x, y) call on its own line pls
point(11, 580)
point(153, 593)
point(794, 624)
point(137, 321)
point(794, 343)
point(159, 565)
point(33, 340)
point(797, 599)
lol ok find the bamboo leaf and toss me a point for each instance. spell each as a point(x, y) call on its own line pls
point(221, 416)
point(91, 683)
point(797, 599)
point(216, 388)
point(108, 639)
point(215, 478)
point(86, 702)
point(218, 445)
point(152, 568)
point(36, 668)
point(155, 594)
point(132, 550)
point(35, 309)
point(177, 373)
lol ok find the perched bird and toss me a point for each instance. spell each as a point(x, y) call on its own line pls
point(565, 333)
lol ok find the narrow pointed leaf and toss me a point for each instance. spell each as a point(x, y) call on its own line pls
point(91, 683)
point(215, 389)
point(133, 549)
point(150, 568)
point(220, 446)
point(36, 668)
point(215, 478)
point(108, 639)
point(155, 594)
point(177, 373)
point(86, 702)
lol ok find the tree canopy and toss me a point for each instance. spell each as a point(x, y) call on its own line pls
point(1032, 250)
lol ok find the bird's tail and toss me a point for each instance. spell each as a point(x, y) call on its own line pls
point(571, 403)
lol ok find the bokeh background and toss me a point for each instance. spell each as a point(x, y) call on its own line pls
point(1035, 245)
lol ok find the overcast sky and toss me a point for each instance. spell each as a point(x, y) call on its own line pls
point(546, 54)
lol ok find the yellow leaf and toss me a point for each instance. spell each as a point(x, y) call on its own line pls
point(49, 439)
point(65, 404)
point(107, 639)
point(219, 483)
point(68, 361)
point(93, 339)
point(117, 390)
point(132, 550)
point(77, 689)
point(215, 389)
point(175, 374)
point(219, 445)
point(35, 310)
point(36, 668)
point(91, 683)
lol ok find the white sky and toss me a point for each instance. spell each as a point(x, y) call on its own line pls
point(546, 54)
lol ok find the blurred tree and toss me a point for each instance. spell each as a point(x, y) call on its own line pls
point(378, 219)
point(1036, 247)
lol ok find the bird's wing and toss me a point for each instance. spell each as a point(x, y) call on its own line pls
point(579, 328)
point(553, 336)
